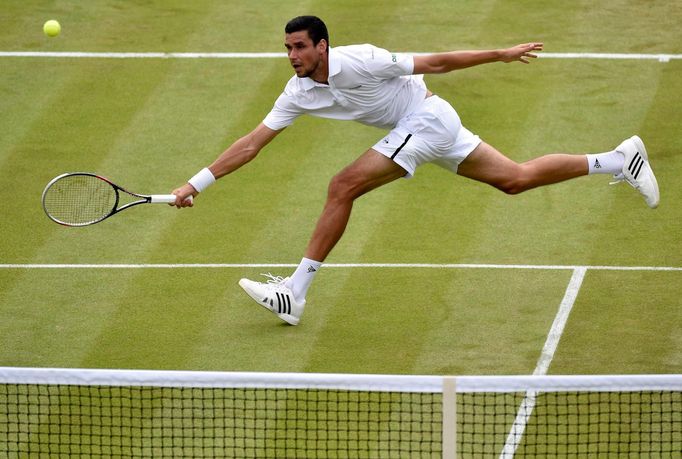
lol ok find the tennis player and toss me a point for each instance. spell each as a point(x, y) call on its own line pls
point(376, 87)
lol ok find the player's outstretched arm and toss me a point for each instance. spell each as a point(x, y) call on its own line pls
point(239, 153)
point(455, 60)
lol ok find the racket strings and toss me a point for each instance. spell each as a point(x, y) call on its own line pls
point(79, 199)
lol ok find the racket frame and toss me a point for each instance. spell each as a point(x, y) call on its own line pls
point(143, 198)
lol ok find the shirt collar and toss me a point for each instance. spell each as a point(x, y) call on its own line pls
point(334, 63)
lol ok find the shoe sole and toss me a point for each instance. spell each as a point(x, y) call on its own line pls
point(642, 149)
point(288, 318)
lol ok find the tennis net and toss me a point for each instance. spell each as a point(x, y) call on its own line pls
point(137, 414)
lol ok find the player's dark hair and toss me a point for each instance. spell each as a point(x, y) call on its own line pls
point(315, 27)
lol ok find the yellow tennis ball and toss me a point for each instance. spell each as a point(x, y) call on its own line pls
point(52, 28)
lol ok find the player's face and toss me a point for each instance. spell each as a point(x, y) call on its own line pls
point(304, 57)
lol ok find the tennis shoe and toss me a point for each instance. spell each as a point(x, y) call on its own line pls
point(275, 296)
point(637, 170)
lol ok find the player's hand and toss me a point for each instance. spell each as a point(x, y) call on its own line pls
point(522, 53)
point(183, 193)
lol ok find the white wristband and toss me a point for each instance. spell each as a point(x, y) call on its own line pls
point(202, 180)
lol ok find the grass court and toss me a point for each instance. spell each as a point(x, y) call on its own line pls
point(150, 124)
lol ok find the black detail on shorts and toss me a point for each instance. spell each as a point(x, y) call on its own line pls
point(401, 147)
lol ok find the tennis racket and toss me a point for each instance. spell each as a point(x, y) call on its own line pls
point(81, 199)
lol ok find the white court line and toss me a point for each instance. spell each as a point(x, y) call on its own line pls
point(560, 320)
point(327, 265)
point(611, 56)
point(546, 356)
point(152, 55)
point(269, 55)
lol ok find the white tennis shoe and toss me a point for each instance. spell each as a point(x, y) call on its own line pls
point(276, 297)
point(637, 170)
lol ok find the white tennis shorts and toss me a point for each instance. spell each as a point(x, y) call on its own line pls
point(431, 134)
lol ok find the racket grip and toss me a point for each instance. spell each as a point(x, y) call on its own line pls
point(166, 198)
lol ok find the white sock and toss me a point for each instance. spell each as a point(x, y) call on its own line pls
point(610, 162)
point(303, 277)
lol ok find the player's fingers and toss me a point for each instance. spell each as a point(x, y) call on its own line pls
point(179, 201)
point(525, 57)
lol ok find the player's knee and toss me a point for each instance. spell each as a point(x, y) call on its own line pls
point(514, 184)
point(511, 188)
point(341, 188)
point(523, 178)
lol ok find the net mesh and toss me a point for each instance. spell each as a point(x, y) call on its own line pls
point(353, 420)
point(79, 199)
point(571, 424)
point(205, 422)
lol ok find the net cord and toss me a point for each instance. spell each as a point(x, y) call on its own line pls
point(375, 383)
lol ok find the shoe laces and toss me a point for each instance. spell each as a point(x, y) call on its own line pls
point(617, 178)
point(278, 280)
point(620, 178)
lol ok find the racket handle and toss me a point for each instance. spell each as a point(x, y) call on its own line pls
point(166, 198)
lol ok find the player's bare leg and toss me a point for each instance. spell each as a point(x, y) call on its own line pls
point(369, 171)
point(628, 162)
point(488, 165)
point(285, 296)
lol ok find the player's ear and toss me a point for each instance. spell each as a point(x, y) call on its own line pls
point(322, 45)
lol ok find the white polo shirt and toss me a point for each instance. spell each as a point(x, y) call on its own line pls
point(366, 84)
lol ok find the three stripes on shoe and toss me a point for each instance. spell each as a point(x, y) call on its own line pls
point(635, 166)
point(283, 303)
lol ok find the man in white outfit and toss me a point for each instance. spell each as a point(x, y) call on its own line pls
point(386, 90)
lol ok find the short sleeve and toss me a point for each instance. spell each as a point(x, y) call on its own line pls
point(385, 64)
point(283, 113)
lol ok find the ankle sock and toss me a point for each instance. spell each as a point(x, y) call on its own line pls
point(303, 277)
point(610, 162)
